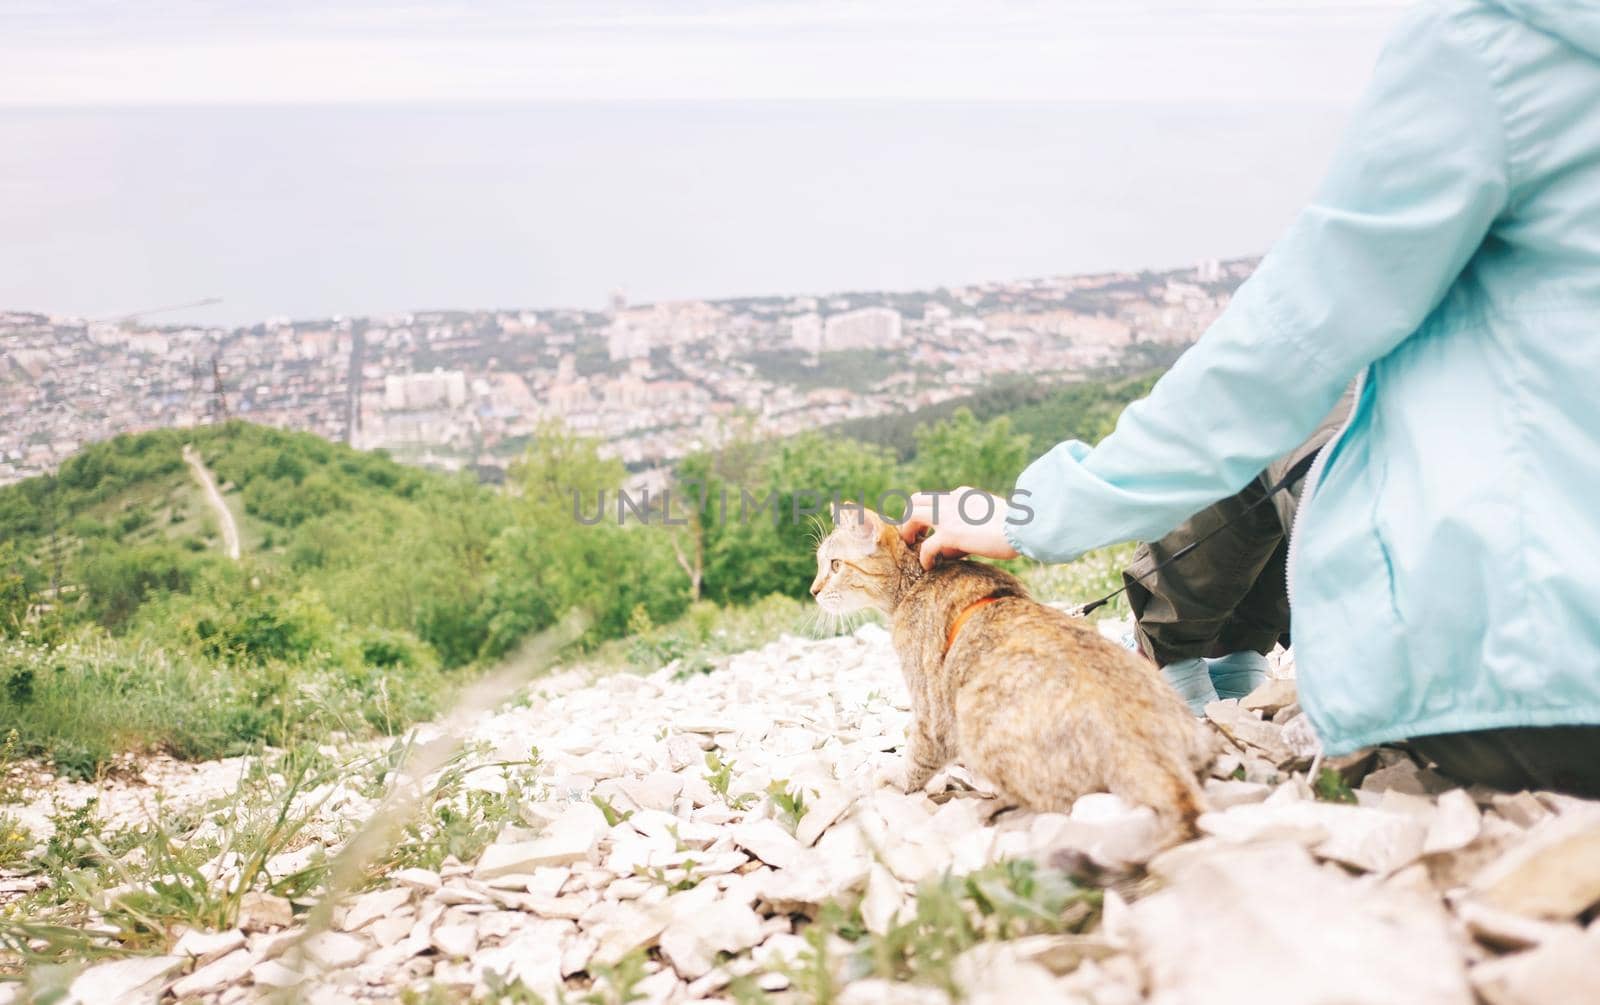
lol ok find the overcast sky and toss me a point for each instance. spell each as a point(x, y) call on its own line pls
point(97, 52)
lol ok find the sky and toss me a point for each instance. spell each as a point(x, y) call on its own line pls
point(116, 52)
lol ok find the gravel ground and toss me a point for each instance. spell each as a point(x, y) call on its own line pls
point(701, 878)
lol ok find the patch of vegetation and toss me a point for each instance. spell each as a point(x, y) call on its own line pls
point(951, 915)
point(719, 776)
point(1331, 787)
point(369, 591)
point(789, 801)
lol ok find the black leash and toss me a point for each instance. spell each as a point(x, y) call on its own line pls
point(1294, 474)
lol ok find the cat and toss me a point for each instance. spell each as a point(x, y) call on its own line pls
point(1037, 702)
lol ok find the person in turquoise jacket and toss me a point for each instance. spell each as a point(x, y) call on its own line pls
point(1444, 566)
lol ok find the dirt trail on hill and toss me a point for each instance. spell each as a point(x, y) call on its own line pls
point(202, 474)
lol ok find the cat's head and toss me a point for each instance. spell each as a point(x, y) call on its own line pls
point(860, 564)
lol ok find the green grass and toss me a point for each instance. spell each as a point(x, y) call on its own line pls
point(134, 890)
point(1089, 578)
point(82, 703)
point(949, 915)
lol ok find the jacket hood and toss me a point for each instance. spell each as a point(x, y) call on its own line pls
point(1576, 22)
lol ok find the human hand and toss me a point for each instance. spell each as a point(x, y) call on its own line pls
point(966, 521)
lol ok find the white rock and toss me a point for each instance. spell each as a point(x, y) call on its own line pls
point(1276, 693)
point(1456, 823)
point(684, 752)
point(275, 974)
point(1552, 873)
point(1563, 971)
point(695, 936)
point(207, 946)
point(369, 907)
point(768, 841)
point(1246, 728)
point(1312, 936)
point(995, 973)
point(1365, 838)
point(570, 838)
point(877, 991)
point(214, 976)
point(533, 956)
point(1110, 831)
point(260, 912)
point(456, 940)
point(625, 927)
point(134, 980)
point(1504, 930)
point(425, 880)
point(1521, 808)
point(883, 900)
point(1222, 793)
point(1301, 738)
point(335, 950)
point(821, 814)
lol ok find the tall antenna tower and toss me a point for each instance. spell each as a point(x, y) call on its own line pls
point(219, 396)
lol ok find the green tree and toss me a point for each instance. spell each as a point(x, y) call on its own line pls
point(761, 526)
point(963, 451)
point(15, 597)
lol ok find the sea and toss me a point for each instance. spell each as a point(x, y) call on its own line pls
point(316, 211)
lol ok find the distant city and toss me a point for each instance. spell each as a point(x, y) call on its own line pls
point(466, 389)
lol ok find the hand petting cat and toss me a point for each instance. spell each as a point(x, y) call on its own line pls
point(963, 521)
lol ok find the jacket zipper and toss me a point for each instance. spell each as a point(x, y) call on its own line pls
point(1312, 478)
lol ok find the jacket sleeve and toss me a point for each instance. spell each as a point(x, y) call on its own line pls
point(1419, 178)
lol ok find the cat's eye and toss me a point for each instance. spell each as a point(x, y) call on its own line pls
point(833, 566)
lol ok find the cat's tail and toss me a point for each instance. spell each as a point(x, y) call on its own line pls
point(1185, 804)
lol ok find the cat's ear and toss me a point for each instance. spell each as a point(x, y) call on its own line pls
point(857, 522)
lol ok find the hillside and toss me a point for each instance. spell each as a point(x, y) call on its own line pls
point(362, 585)
point(366, 591)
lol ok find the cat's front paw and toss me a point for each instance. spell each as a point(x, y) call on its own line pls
point(904, 777)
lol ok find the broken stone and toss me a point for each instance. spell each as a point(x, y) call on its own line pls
point(214, 976)
point(1554, 872)
point(207, 946)
point(877, 991)
point(1367, 839)
point(132, 981)
point(335, 950)
point(624, 928)
point(275, 974)
point(821, 814)
point(768, 841)
point(1521, 808)
point(570, 838)
point(1223, 793)
point(1563, 971)
point(883, 900)
point(693, 940)
point(1456, 823)
point(1505, 931)
point(1312, 936)
point(260, 912)
point(532, 956)
point(1061, 954)
point(425, 880)
point(1270, 696)
point(369, 907)
point(456, 941)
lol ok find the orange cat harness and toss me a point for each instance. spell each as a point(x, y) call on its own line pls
point(961, 619)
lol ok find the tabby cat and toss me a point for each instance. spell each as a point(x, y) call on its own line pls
point(1034, 700)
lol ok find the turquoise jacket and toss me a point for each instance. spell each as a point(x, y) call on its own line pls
point(1445, 564)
